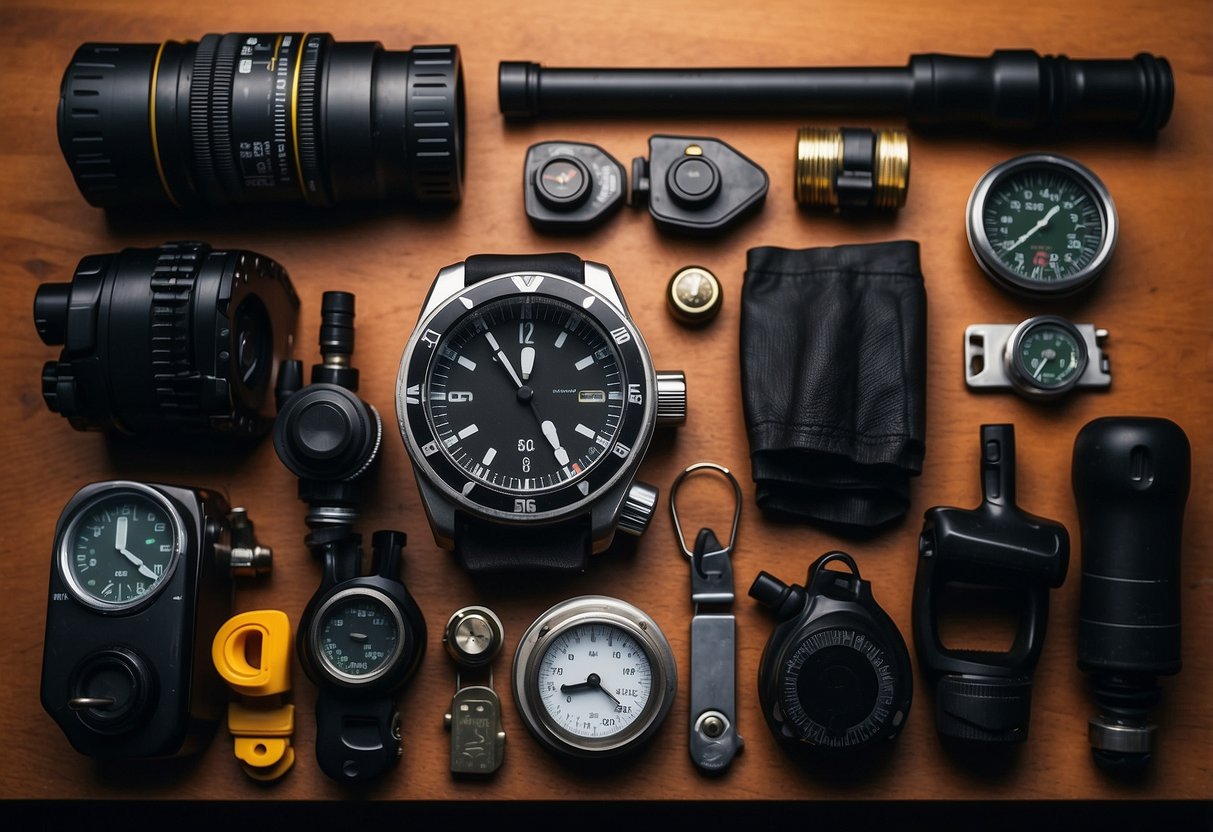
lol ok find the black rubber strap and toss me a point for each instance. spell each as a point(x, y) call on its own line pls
point(560, 547)
point(483, 266)
point(563, 547)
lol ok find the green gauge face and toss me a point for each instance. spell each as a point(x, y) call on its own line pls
point(358, 635)
point(1042, 225)
point(119, 549)
point(1050, 355)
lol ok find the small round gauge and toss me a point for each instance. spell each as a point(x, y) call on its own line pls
point(693, 295)
point(594, 677)
point(121, 546)
point(1046, 355)
point(1041, 225)
point(357, 635)
point(563, 182)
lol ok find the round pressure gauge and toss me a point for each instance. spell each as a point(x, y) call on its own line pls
point(1045, 356)
point(120, 546)
point(594, 677)
point(1041, 225)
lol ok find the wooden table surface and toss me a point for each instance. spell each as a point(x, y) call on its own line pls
point(1156, 299)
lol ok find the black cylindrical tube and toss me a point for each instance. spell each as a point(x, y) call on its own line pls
point(1010, 91)
point(1130, 478)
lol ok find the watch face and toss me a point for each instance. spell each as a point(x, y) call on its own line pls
point(120, 546)
point(358, 635)
point(525, 402)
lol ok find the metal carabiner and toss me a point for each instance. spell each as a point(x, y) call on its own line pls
point(705, 466)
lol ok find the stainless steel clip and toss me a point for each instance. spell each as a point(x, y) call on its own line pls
point(714, 739)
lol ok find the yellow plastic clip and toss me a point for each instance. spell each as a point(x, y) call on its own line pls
point(252, 652)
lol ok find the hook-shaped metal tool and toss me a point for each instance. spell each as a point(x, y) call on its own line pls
point(714, 740)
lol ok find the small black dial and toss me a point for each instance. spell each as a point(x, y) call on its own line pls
point(563, 182)
point(525, 395)
point(1041, 225)
point(358, 634)
point(120, 547)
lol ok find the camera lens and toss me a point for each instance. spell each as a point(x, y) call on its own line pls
point(255, 118)
point(176, 337)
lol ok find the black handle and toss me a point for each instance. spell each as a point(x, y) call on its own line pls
point(1013, 91)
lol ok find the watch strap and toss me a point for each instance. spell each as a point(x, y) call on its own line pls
point(356, 739)
point(559, 547)
point(483, 266)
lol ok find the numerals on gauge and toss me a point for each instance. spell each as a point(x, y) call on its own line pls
point(525, 394)
point(594, 680)
point(358, 635)
point(1043, 226)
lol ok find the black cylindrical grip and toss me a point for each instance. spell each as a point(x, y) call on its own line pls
point(1131, 479)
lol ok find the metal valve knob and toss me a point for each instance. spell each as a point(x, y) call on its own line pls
point(671, 398)
point(638, 508)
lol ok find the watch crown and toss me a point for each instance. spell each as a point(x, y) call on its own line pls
point(638, 508)
point(671, 398)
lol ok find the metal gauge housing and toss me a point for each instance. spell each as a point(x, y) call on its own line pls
point(525, 396)
point(1041, 225)
point(120, 546)
point(594, 677)
point(1046, 356)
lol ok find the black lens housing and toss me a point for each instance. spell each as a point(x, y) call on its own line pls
point(179, 337)
point(253, 118)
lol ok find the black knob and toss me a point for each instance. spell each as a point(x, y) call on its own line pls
point(112, 690)
point(51, 303)
point(327, 432)
point(694, 181)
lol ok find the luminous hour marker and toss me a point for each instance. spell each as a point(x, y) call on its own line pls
point(583, 487)
point(468, 487)
point(584, 431)
point(489, 455)
point(560, 339)
point(585, 362)
point(467, 362)
point(468, 431)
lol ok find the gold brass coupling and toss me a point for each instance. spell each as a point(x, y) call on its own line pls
point(252, 652)
point(852, 167)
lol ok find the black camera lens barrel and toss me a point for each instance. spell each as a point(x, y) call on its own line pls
point(253, 118)
point(1012, 91)
point(181, 336)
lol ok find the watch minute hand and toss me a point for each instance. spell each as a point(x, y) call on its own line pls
point(501, 356)
point(549, 433)
point(143, 568)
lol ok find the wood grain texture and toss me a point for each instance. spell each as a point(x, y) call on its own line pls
point(1156, 299)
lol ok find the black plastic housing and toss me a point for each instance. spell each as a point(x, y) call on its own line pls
point(181, 337)
point(986, 696)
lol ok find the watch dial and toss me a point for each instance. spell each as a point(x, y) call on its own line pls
point(594, 680)
point(525, 394)
point(358, 635)
point(119, 549)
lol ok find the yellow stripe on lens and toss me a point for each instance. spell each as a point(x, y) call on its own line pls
point(151, 109)
point(295, 114)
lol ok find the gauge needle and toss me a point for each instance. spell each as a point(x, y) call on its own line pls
point(120, 545)
point(592, 682)
point(1039, 225)
point(527, 362)
point(549, 432)
point(505, 362)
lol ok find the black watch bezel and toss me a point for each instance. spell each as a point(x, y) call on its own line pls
point(485, 501)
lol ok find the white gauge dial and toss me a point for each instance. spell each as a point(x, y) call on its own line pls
point(594, 680)
point(594, 676)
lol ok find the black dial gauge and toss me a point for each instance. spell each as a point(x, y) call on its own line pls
point(563, 182)
point(1046, 355)
point(525, 402)
point(1041, 225)
point(357, 635)
point(120, 547)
